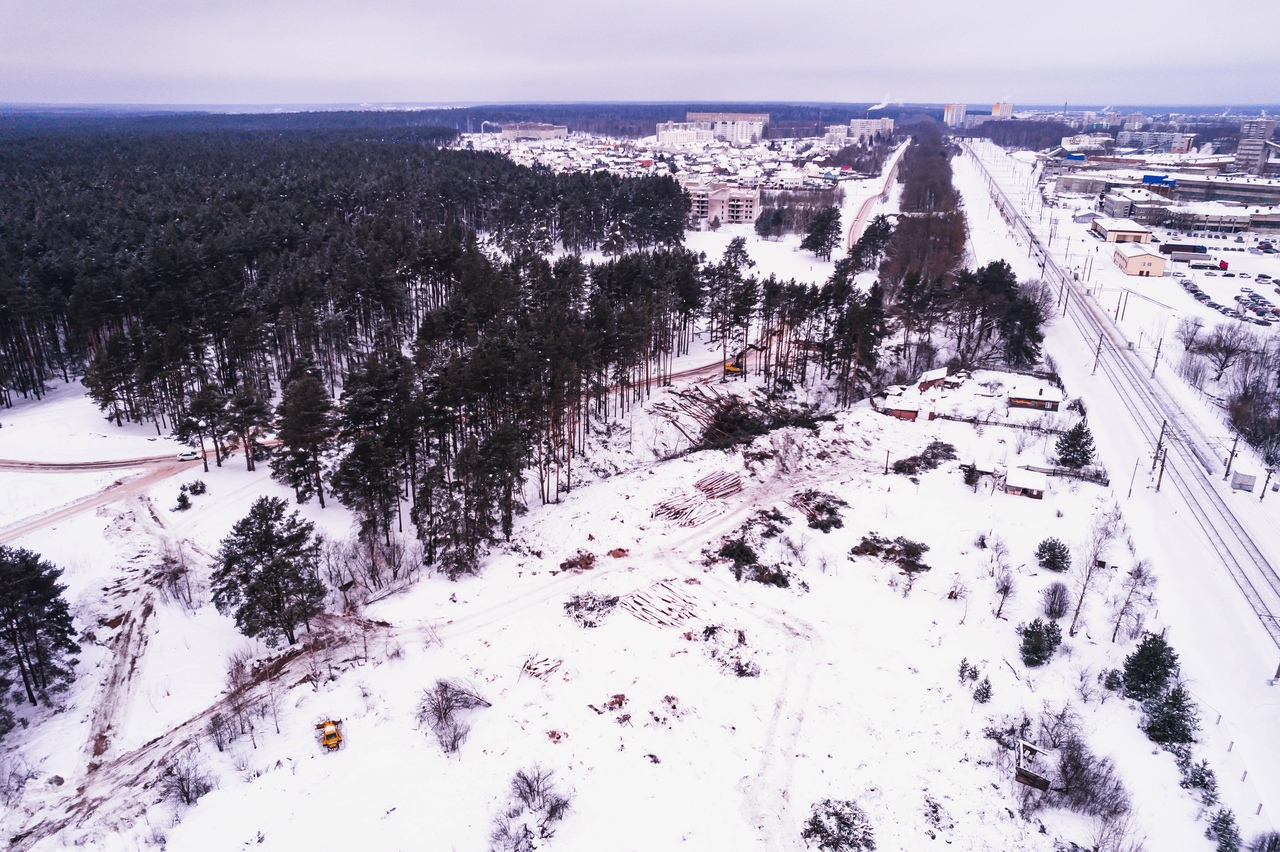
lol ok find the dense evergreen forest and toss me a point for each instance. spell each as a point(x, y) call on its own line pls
point(394, 310)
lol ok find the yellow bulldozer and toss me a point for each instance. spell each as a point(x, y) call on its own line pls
point(330, 734)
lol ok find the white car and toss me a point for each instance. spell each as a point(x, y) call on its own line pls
point(188, 455)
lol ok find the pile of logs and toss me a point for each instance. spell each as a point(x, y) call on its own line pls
point(661, 604)
point(719, 485)
point(688, 510)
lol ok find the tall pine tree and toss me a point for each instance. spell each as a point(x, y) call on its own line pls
point(267, 573)
point(305, 427)
point(36, 633)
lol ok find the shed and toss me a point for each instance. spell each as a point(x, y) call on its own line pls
point(1120, 230)
point(1025, 483)
point(902, 408)
point(1241, 481)
point(1041, 399)
point(933, 378)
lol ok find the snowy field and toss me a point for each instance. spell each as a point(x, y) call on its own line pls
point(700, 712)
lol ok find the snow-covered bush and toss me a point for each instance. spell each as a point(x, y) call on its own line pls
point(1171, 718)
point(1268, 842)
point(1039, 640)
point(1056, 599)
point(1222, 828)
point(535, 807)
point(839, 826)
point(1149, 668)
point(1053, 555)
point(439, 711)
point(184, 779)
point(588, 608)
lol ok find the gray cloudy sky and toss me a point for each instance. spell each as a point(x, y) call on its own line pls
point(338, 51)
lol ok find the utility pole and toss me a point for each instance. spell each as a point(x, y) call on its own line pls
point(1097, 356)
point(1231, 457)
point(1137, 462)
point(1159, 445)
point(1156, 364)
point(1164, 457)
point(1270, 471)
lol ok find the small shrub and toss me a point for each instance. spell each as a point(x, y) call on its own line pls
point(1268, 842)
point(1171, 718)
point(1113, 680)
point(439, 710)
point(1222, 828)
point(1056, 600)
point(1053, 555)
point(197, 487)
point(901, 551)
point(822, 509)
point(741, 554)
point(1039, 640)
point(1199, 777)
point(982, 693)
point(769, 575)
point(184, 779)
point(968, 671)
point(536, 806)
point(589, 609)
point(1149, 668)
point(184, 502)
point(839, 826)
point(1088, 784)
point(930, 458)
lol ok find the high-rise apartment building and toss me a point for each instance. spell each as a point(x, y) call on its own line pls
point(953, 114)
point(1251, 153)
point(739, 128)
point(1004, 109)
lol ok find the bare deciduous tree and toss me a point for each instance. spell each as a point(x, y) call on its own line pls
point(439, 711)
point(1004, 589)
point(1135, 595)
point(1093, 566)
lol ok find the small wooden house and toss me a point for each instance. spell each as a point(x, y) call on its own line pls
point(1025, 483)
point(932, 379)
point(902, 408)
point(1043, 399)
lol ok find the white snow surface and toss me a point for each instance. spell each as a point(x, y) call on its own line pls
point(857, 695)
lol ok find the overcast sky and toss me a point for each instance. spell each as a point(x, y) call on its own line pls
point(339, 51)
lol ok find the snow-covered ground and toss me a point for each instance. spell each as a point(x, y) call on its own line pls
point(643, 717)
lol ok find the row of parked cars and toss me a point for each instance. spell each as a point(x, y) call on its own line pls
point(1249, 306)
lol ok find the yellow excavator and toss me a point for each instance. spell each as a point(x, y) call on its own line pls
point(330, 734)
point(734, 367)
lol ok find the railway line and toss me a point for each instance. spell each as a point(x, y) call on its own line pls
point(1188, 465)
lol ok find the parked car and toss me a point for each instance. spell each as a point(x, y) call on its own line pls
point(1245, 275)
point(1228, 275)
point(1262, 276)
point(188, 455)
point(1211, 273)
point(1262, 322)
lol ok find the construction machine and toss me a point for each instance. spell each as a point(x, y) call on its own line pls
point(734, 367)
point(330, 734)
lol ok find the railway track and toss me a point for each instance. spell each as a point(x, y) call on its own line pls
point(1188, 465)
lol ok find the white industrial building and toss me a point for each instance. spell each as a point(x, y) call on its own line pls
point(953, 114)
point(683, 133)
point(533, 130)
